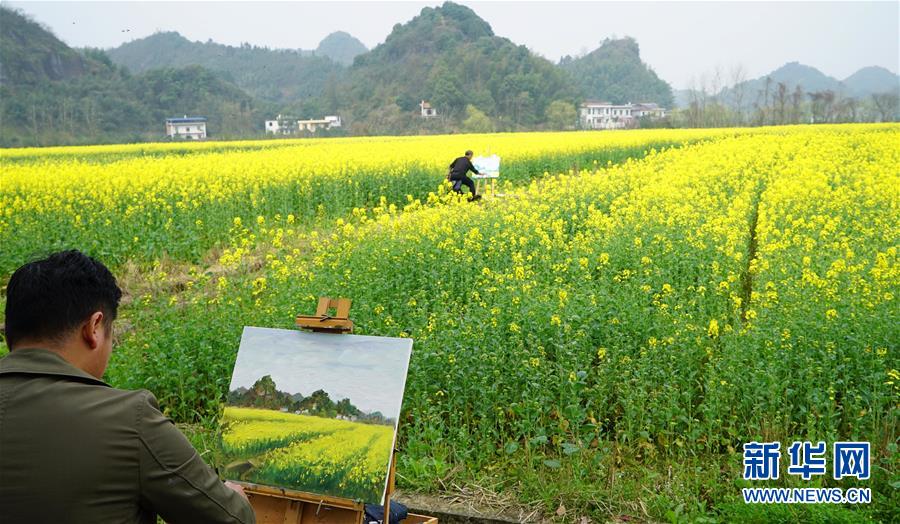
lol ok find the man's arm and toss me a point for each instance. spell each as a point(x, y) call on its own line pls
point(472, 167)
point(175, 482)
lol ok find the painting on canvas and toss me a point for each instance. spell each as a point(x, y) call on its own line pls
point(315, 412)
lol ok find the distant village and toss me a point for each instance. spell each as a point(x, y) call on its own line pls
point(592, 115)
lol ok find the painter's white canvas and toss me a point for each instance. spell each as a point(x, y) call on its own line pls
point(488, 166)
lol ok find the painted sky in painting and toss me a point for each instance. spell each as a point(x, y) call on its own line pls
point(370, 371)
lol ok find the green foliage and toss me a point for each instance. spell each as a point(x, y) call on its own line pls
point(476, 121)
point(31, 55)
point(283, 76)
point(51, 94)
point(562, 115)
point(113, 106)
point(451, 58)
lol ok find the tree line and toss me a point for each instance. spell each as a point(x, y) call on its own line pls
point(772, 102)
point(264, 394)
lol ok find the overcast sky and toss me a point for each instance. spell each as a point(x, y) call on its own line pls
point(370, 371)
point(681, 41)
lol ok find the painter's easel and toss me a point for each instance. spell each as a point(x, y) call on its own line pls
point(284, 506)
point(487, 175)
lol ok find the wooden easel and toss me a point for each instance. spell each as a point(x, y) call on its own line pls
point(485, 180)
point(284, 506)
point(323, 322)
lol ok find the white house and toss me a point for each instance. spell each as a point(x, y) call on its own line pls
point(427, 110)
point(192, 128)
point(281, 126)
point(596, 114)
point(648, 109)
point(288, 126)
point(313, 125)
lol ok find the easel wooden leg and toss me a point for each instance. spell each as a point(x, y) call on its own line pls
point(390, 490)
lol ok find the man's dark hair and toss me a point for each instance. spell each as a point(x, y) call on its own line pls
point(47, 298)
point(468, 152)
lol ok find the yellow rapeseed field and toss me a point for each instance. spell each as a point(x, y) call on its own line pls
point(148, 200)
point(638, 305)
point(308, 453)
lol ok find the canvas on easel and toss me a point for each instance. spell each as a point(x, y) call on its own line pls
point(315, 412)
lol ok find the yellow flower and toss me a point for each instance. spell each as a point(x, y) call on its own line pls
point(713, 329)
point(259, 285)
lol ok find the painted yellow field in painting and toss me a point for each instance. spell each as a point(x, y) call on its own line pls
point(307, 453)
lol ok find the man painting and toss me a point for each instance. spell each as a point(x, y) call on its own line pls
point(72, 448)
point(459, 170)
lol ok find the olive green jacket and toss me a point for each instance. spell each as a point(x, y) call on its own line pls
point(74, 449)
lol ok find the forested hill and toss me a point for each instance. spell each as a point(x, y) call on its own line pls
point(52, 94)
point(30, 55)
point(450, 57)
point(342, 47)
point(284, 76)
point(615, 73)
point(446, 55)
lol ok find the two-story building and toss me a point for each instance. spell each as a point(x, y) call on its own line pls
point(188, 127)
point(647, 109)
point(288, 126)
point(596, 114)
point(281, 125)
point(314, 125)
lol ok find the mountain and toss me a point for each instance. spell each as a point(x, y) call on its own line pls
point(792, 74)
point(341, 47)
point(871, 80)
point(53, 94)
point(860, 85)
point(807, 77)
point(31, 55)
point(275, 75)
point(615, 73)
point(451, 58)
